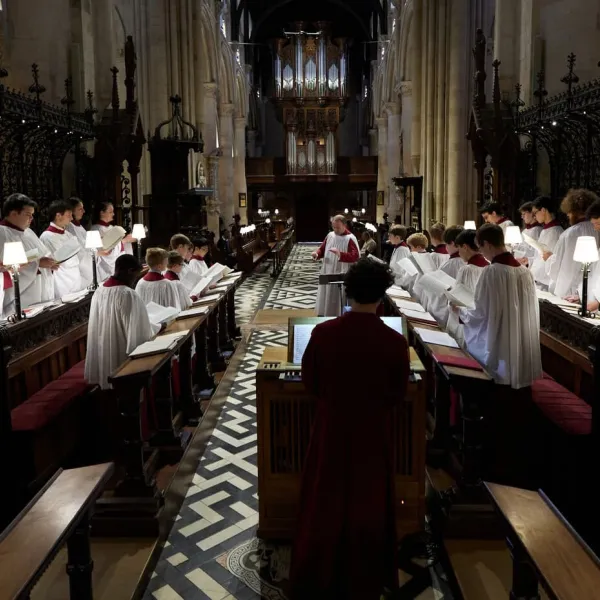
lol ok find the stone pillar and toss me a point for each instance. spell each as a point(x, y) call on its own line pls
point(239, 166)
point(438, 168)
point(213, 205)
point(226, 171)
point(405, 89)
point(458, 105)
point(428, 142)
point(382, 171)
point(415, 50)
point(208, 125)
point(529, 31)
point(506, 42)
point(393, 156)
point(104, 52)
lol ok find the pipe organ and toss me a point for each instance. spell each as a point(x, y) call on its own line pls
point(311, 82)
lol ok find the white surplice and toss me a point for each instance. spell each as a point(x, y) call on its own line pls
point(153, 287)
point(400, 252)
point(105, 265)
point(85, 256)
point(468, 276)
point(504, 223)
point(182, 294)
point(67, 278)
point(564, 273)
point(118, 324)
point(198, 266)
point(36, 285)
point(549, 236)
point(328, 296)
point(503, 330)
point(411, 282)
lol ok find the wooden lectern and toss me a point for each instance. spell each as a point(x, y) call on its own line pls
point(285, 413)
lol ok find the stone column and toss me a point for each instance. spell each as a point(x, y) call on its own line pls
point(226, 171)
point(104, 52)
point(239, 166)
point(428, 142)
point(506, 42)
point(458, 105)
point(438, 168)
point(405, 89)
point(208, 124)
point(393, 156)
point(415, 50)
point(213, 204)
point(529, 30)
point(382, 171)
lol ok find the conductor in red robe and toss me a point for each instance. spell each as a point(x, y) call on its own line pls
point(345, 545)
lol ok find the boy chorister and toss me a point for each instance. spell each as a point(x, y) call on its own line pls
point(175, 264)
point(153, 287)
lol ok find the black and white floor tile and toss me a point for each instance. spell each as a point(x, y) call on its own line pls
point(296, 286)
point(212, 552)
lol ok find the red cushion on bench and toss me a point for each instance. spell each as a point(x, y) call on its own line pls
point(36, 412)
point(566, 410)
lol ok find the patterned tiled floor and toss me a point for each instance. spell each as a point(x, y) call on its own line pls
point(212, 551)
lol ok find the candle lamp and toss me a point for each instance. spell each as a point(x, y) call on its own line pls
point(93, 242)
point(14, 256)
point(139, 233)
point(586, 252)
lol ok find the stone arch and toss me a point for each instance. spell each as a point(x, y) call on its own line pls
point(241, 94)
point(208, 45)
point(226, 78)
point(405, 39)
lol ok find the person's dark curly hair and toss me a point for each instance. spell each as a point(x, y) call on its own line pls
point(367, 281)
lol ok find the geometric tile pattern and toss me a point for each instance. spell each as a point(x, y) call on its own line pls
point(212, 551)
point(296, 286)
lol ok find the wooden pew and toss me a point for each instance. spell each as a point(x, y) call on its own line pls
point(42, 388)
point(282, 250)
point(59, 513)
point(252, 248)
point(135, 504)
point(545, 549)
point(285, 413)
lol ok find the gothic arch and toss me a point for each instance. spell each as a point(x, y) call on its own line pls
point(209, 46)
point(405, 38)
point(226, 78)
point(241, 94)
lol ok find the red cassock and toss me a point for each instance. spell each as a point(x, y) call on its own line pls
point(345, 545)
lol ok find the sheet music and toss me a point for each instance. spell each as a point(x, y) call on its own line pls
point(420, 316)
point(424, 262)
point(394, 323)
point(74, 297)
point(409, 266)
point(437, 282)
point(460, 295)
point(192, 312)
point(33, 254)
point(541, 248)
point(162, 343)
point(441, 338)
point(377, 260)
point(68, 250)
point(404, 305)
point(556, 300)
point(398, 292)
point(207, 299)
point(200, 286)
point(161, 314)
point(302, 335)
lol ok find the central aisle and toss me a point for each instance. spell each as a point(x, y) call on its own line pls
point(212, 551)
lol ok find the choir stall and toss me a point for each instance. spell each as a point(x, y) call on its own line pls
point(285, 413)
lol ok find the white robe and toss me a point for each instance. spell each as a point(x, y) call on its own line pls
point(505, 224)
point(503, 330)
point(36, 285)
point(328, 296)
point(85, 256)
point(564, 273)
point(198, 267)
point(118, 324)
point(184, 300)
point(105, 265)
point(67, 279)
point(468, 276)
point(439, 259)
point(161, 292)
point(398, 254)
point(411, 282)
point(549, 237)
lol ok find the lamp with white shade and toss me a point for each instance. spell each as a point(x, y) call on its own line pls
point(93, 242)
point(512, 236)
point(470, 225)
point(586, 252)
point(14, 256)
point(139, 233)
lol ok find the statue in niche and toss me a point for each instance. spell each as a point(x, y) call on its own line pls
point(200, 176)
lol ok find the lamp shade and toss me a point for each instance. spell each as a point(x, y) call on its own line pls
point(513, 235)
point(470, 225)
point(93, 240)
point(586, 250)
point(276, 211)
point(267, 221)
point(345, 211)
point(139, 231)
point(363, 211)
point(14, 254)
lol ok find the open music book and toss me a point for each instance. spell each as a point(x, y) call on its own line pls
point(68, 250)
point(397, 292)
point(206, 299)
point(192, 312)
point(201, 286)
point(33, 254)
point(217, 272)
point(441, 338)
point(541, 248)
point(410, 267)
point(162, 343)
point(161, 314)
point(460, 295)
point(423, 262)
point(440, 283)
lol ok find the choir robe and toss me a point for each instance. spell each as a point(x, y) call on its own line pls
point(36, 285)
point(182, 294)
point(504, 223)
point(67, 278)
point(345, 544)
point(411, 282)
point(549, 236)
point(533, 230)
point(401, 251)
point(503, 330)
point(468, 276)
point(436, 304)
point(198, 266)
point(85, 257)
point(564, 273)
point(328, 296)
point(153, 287)
point(189, 278)
point(105, 265)
point(441, 249)
point(117, 325)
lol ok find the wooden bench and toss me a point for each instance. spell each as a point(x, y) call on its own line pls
point(281, 251)
point(59, 513)
point(251, 249)
point(42, 387)
point(545, 549)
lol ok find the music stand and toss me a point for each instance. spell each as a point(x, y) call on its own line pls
point(338, 280)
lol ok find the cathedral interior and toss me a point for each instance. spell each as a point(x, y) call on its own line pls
point(263, 119)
